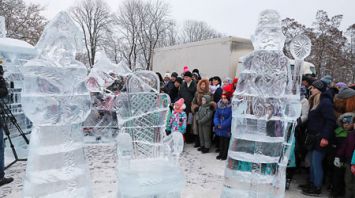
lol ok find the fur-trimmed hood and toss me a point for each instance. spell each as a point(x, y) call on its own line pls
point(339, 120)
point(207, 87)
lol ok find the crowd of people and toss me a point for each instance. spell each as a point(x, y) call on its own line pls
point(324, 142)
point(200, 109)
point(325, 137)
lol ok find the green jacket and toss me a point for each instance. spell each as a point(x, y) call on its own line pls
point(341, 133)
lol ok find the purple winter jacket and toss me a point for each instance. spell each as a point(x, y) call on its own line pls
point(346, 150)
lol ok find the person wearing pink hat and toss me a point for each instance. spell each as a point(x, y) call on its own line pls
point(178, 117)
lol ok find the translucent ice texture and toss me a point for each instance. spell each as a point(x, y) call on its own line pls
point(2, 27)
point(56, 100)
point(147, 157)
point(265, 107)
point(268, 34)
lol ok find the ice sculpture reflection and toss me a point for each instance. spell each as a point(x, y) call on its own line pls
point(265, 107)
point(56, 100)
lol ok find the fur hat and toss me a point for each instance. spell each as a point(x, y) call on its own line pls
point(320, 85)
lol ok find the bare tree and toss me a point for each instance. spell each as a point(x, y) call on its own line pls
point(94, 18)
point(23, 21)
point(153, 24)
point(128, 21)
point(331, 50)
point(197, 31)
point(112, 45)
point(143, 25)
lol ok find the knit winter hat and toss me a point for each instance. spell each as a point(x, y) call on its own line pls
point(186, 69)
point(327, 79)
point(179, 105)
point(208, 99)
point(341, 85)
point(345, 93)
point(228, 90)
point(320, 85)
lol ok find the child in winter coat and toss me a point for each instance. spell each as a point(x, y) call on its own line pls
point(204, 121)
point(345, 127)
point(222, 122)
point(345, 154)
point(178, 117)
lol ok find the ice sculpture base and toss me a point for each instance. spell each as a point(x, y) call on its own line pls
point(56, 166)
point(148, 178)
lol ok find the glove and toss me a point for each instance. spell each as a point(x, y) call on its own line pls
point(337, 162)
point(353, 169)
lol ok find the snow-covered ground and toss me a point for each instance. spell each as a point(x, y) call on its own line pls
point(203, 173)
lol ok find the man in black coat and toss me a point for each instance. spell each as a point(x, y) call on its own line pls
point(3, 93)
point(187, 92)
point(170, 85)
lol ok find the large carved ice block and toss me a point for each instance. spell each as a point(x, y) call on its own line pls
point(147, 158)
point(265, 107)
point(56, 100)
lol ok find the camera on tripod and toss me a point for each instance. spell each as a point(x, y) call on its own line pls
point(6, 116)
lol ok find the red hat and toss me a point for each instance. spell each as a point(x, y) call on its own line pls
point(228, 90)
point(235, 80)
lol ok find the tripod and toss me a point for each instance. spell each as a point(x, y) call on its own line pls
point(6, 115)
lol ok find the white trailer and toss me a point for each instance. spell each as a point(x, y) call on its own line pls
point(214, 57)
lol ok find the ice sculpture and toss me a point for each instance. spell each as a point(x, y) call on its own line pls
point(145, 153)
point(13, 54)
point(147, 158)
point(57, 101)
point(105, 81)
point(265, 107)
point(2, 27)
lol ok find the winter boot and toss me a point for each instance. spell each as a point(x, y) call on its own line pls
point(313, 191)
point(205, 150)
point(4, 181)
point(201, 148)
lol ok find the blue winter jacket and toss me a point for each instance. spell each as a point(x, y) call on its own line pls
point(223, 118)
point(321, 120)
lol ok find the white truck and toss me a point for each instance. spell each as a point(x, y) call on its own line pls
point(214, 57)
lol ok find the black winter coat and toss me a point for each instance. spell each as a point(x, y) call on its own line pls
point(187, 93)
point(217, 95)
point(321, 120)
point(174, 94)
point(3, 88)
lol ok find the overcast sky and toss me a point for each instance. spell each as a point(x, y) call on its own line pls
point(234, 17)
